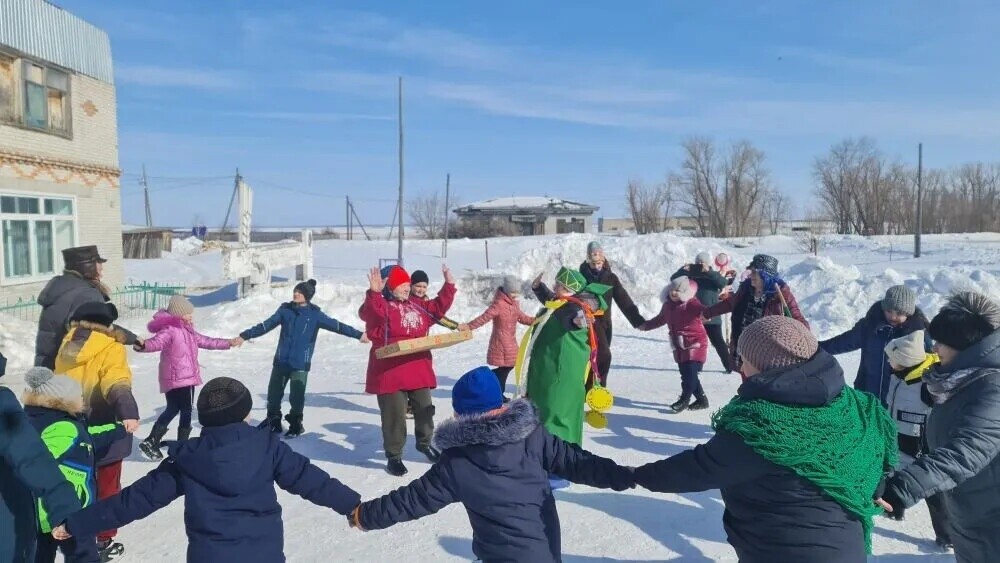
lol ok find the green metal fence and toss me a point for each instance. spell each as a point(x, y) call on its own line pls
point(132, 300)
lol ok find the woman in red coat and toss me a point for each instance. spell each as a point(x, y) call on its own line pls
point(403, 379)
point(682, 313)
point(505, 313)
point(763, 294)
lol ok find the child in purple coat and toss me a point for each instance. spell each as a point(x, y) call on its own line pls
point(178, 343)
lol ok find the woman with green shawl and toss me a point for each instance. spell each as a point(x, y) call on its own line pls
point(797, 454)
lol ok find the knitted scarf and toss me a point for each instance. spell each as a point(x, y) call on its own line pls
point(842, 448)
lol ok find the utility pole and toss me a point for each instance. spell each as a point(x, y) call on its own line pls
point(145, 191)
point(236, 188)
point(920, 200)
point(399, 256)
point(447, 198)
point(347, 217)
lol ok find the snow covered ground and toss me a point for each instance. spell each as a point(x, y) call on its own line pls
point(342, 423)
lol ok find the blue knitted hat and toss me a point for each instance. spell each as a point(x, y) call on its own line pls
point(476, 392)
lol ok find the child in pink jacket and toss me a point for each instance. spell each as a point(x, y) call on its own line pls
point(681, 312)
point(178, 343)
point(505, 314)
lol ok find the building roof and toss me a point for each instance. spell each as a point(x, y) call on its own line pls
point(526, 204)
point(42, 30)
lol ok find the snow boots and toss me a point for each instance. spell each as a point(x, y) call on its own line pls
point(150, 447)
point(183, 434)
point(109, 550)
point(681, 405)
point(295, 428)
point(700, 403)
point(395, 467)
point(430, 452)
point(272, 422)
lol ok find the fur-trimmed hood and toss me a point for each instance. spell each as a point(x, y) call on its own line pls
point(72, 408)
point(163, 320)
point(509, 425)
point(86, 339)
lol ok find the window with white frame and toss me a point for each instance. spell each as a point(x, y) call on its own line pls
point(46, 98)
point(35, 230)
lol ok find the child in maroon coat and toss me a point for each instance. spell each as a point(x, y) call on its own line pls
point(681, 312)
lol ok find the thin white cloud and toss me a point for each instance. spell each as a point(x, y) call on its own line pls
point(846, 63)
point(309, 117)
point(170, 77)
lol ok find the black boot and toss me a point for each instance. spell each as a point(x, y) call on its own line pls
point(108, 550)
point(700, 403)
point(183, 434)
point(395, 467)
point(681, 405)
point(273, 423)
point(295, 428)
point(430, 452)
point(945, 544)
point(150, 447)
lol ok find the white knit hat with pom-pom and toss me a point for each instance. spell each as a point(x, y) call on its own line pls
point(41, 382)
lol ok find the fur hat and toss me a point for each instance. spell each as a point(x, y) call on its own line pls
point(684, 286)
point(180, 306)
point(572, 280)
point(900, 299)
point(222, 401)
point(397, 277)
point(104, 314)
point(907, 351)
point(419, 276)
point(306, 288)
point(965, 319)
point(476, 392)
point(776, 342)
point(511, 285)
point(46, 389)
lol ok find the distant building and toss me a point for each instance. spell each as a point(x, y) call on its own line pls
point(613, 225)
point(59, 175)
point(531, 215)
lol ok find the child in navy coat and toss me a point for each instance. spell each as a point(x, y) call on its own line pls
point(496, 460)
point(227, 477)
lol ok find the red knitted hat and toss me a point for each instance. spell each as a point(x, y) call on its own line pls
point(397, 277)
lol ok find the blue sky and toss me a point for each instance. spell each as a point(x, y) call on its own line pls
point(525, 98)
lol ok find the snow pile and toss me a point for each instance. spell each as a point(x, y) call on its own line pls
point(187, 246)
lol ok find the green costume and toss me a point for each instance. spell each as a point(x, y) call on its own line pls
point(559, 353)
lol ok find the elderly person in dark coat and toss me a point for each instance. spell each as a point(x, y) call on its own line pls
point(797, 454)
point(963, 431)
point(27, 471)
point(79, 283)
point(496, 461)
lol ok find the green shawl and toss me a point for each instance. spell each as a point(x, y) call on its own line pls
point(842, 448)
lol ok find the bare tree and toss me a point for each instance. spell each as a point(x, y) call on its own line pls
point(649, 206)
point(427, 213)
point(482, 228)
point(777, 208)
point(812, 236)
point(723, 193)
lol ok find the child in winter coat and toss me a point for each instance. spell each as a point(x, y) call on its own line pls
point(227, 477)
point(300, 323)
point(681, 312)
point(93, 353)
point(405, 379)
point(495, 460)
point(178, 343)
point(910, 404)
point(419, 284)
point(28, 475)
point(506, 313)
point(54, 406)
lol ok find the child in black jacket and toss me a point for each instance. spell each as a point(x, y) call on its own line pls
point(496, 460)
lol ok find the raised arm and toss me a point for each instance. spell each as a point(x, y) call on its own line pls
point(439, 306)
point(425, 496)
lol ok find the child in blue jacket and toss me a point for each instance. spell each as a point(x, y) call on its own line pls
point(300, 322)
point(227, 477)
point(54, 405)
point(496, 460)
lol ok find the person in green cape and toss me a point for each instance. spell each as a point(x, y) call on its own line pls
point(560, 349)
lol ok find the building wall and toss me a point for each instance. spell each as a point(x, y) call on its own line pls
point(84, 167)
point(552, 222)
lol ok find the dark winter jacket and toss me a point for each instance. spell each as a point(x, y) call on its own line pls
point(60, 298)
point(964, 462)
point(498, 466)
point(619, 295)
point(738, 303)
point(300, 324)
point(871, 335)
point(227, 477)
point(26, 469)
point(771, 513)
point(710, 285)
point(74, 445)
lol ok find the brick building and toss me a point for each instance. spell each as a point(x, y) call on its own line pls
point(59, 175)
